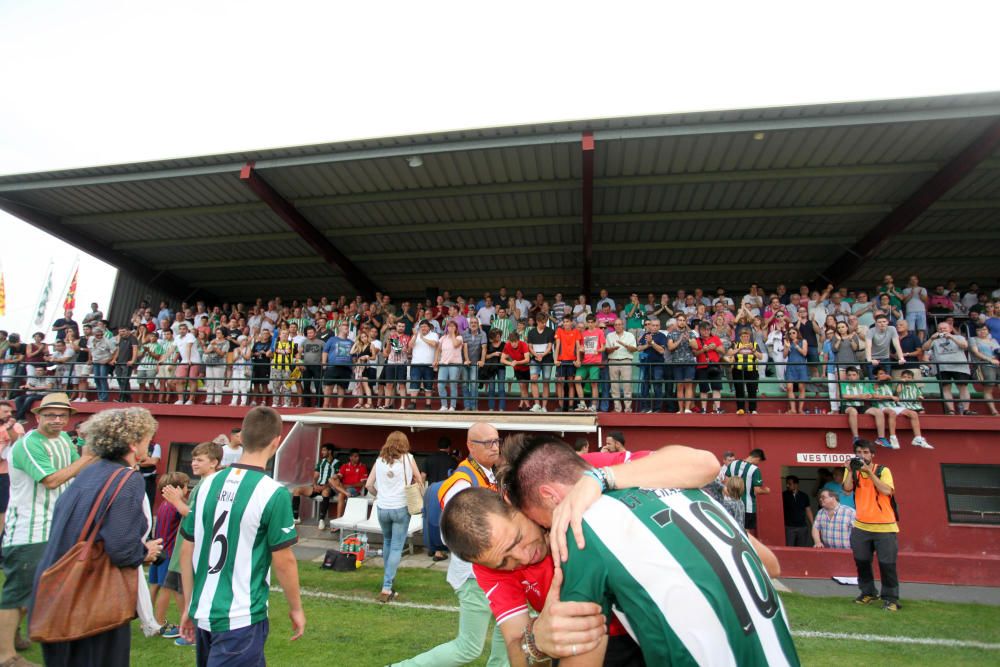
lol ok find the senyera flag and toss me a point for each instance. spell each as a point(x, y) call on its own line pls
point(3, 296)
point(69, 303)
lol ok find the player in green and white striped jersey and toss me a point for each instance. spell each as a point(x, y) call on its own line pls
point(670, 564)
point(240, 521)
point(753, 484)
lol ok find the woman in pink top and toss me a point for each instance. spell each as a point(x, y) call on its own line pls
point(448, 362)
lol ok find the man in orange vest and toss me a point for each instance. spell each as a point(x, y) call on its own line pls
point(875, 526)
point(483, 442)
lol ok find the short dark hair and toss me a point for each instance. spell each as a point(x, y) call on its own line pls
point(354, 450)
point(235, 430)
point(617, 435)
point(444, 442)
point(861, 443)
point(758, 453)
point(260, 426)
point(464, 524)
point(792, 478)
point(851, 369)
point(882, 316)
point(532, 460)
point(581, 445)
point(906, 372)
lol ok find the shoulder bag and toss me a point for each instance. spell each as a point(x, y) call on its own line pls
point(83, 593)
point(414, 491)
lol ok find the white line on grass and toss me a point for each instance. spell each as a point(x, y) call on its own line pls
point(805, 634)
point(926, 641)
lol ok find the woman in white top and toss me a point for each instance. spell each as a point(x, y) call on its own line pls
point(394, 470)
point(581, 309)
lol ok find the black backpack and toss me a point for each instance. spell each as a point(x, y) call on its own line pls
point(338, 561)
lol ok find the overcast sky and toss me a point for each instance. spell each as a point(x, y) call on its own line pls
point(102, 82)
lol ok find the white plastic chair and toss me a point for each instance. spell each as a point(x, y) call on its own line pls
point(355, 513)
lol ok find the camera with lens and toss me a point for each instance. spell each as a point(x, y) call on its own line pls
point(856, 463)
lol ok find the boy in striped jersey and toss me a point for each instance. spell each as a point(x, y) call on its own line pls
point(909, 405)
point(240, 522)
point(753, 484)
point(670, 564)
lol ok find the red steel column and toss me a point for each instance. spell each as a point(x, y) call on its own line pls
point(587, 211)
point(305, 229)
point(913, 207)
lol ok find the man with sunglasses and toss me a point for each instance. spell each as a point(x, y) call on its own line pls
point(42, 462)
point(474, 613)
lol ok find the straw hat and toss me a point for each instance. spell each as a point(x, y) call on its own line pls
point(58, 400)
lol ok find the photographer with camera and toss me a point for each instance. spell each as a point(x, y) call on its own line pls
point(875, 525)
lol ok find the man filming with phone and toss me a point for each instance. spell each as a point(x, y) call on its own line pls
point(875, 526)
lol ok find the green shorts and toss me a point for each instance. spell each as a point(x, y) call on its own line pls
point(19, 565)
point(591, 373)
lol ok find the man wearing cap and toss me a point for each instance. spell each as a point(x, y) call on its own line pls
point(42, 463)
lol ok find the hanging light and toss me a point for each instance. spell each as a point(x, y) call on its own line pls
point(415, 161)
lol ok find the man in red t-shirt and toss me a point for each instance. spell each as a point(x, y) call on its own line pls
point(708, 349)
point(567, 355)
point(351, 477)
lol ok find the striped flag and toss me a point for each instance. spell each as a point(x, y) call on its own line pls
point(3, 296)
point(69, 303)
point(43, 300)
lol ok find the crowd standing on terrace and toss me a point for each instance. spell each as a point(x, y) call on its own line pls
point(673, 352)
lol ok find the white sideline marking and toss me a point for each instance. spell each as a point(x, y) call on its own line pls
point(805, 634)
point(928, 641)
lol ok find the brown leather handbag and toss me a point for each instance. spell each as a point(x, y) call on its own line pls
point(83, 593)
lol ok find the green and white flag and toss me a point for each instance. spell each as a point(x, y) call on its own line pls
point(43, 300)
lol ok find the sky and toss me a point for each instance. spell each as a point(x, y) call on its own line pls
point(106, 82)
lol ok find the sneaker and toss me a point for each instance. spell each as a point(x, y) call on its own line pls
point(321, 525)
point(233, 403)
point(865, 599)
point(81, 400)
point(543, 408)
point(274, 403)
point(179, 401)
point(855, 440)
point(687, 412)
point(189, 402)
point(443, 408)
point(581, 406)
point(170, 631)
point(21, 643)
point(535, 408)
point(288, 403)
point(296, 521)
point(180, 641)
point(920, 441)
point(884, 442)
point(894, 442)
point(889, 605)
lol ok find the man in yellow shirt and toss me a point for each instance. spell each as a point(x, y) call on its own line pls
point(875, 527)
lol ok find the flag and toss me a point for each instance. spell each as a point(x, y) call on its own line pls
point(3, 296)
point(43, 300)
point(69, 303)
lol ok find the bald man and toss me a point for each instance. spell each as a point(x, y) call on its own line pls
point(474, 617)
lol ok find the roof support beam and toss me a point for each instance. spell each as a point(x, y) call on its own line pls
point(305, 229)
point(733, 176)
point(914, 206)
point(156, 279)
point(587, 209)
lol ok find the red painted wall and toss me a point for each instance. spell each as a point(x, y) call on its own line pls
point(934, 549)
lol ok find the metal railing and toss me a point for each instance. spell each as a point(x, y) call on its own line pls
point(628, 386)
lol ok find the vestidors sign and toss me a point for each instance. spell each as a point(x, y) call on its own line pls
point(821, 457)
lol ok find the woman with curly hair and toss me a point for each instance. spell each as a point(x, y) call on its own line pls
point(394, 470)
point(115, 437)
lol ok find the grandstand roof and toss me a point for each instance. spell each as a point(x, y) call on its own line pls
point(716, 198)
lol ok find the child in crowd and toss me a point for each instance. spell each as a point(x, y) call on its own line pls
point(853, 395)
point(168, 520)
point(732, 498)
point(909, 404)
point(205, 461)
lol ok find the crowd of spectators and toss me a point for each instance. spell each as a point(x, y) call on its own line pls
point(672, 353)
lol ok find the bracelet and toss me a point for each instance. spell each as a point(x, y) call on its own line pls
point(531, 651)
point(609, 476)
point(598, 475)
